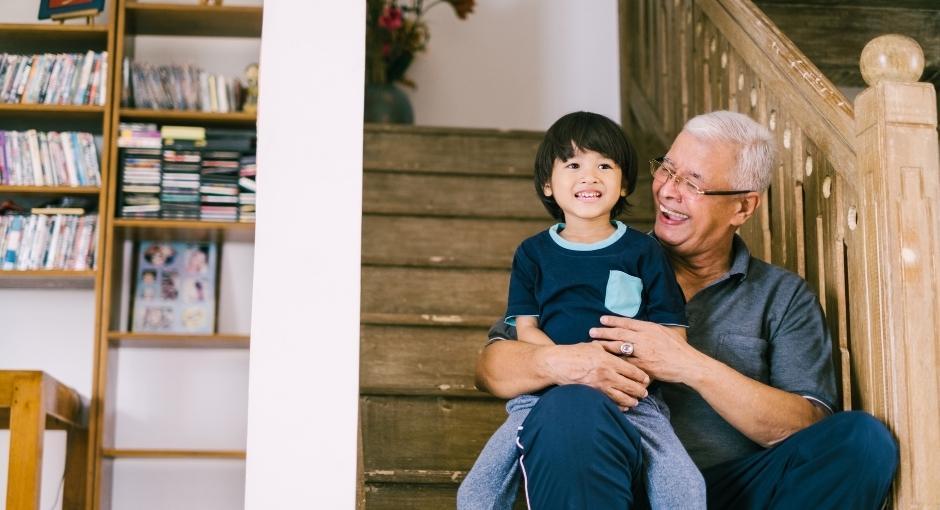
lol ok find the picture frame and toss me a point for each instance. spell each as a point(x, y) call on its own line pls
point(69, 8)
point(174, 288)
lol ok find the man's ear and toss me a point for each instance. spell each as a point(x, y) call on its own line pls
point(747, 206)
point(547, 189)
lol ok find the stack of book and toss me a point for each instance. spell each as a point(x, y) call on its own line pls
point(182, 162)
point(139, 195)
point(219, 187)
point(184, 172)
point(54, 78)
point(36, 158)
point(179, 193)
point(179, 87)
point(48, 241)
point(139, 135)
point(247, 189)
point(139, 165)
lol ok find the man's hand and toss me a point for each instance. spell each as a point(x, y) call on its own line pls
point(591, 365)
point(763, 413)
point(661, 352)
point(509, 368)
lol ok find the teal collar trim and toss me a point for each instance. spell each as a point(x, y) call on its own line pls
point(603, 243)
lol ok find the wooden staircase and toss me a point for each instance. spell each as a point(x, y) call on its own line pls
point(443, 211)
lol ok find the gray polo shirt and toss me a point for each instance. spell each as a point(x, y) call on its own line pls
point(764, 322)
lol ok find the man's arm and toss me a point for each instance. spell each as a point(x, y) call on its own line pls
point(764, 414)
point(507, 368)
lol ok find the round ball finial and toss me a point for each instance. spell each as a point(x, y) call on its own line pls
point(891, 57)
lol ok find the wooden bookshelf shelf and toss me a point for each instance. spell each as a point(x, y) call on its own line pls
point(53, 38)
point(121, 453)
point(183, 230)
point(198, 20)
point(47, 279)
point(172, 341)
point(57, 112)
point(49, 190)
point(234, 119)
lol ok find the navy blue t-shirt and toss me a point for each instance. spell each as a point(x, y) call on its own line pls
point(569, 286)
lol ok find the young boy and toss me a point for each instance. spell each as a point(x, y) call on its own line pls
point(564, 279)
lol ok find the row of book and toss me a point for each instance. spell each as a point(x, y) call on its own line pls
point(179, 87)
point(44, 241)
point(37, 158)
point(186, 173)
point(49, 78)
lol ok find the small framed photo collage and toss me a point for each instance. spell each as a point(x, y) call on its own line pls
point(174, 289)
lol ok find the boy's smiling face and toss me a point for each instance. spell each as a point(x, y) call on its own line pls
point(585, 187)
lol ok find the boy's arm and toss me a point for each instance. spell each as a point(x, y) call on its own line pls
point(527, 329)
point(681, 331)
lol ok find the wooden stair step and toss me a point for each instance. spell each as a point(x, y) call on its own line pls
point(441, 292)
point(459, 196)
point(426, 433)
point(444, 242)
point(419, 360)
point(450, 150)
point(451, 196)
point(450, 242)
point(417, 496)
point(427, 319)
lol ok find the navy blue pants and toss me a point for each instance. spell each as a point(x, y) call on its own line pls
point(580, 452)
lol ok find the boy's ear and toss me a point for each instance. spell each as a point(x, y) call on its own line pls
point(547, 189)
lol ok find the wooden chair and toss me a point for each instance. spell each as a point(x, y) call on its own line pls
point(31, 402)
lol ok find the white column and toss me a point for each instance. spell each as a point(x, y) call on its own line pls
point(304, 367)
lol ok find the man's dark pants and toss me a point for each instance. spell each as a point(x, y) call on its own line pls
point(578, 452)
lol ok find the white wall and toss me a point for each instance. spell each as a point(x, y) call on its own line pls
point(518, 64)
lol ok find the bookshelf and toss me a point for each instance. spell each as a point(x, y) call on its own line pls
point(118, 347)
point(36, 285)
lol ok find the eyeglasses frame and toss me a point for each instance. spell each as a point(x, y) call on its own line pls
point(657, 163)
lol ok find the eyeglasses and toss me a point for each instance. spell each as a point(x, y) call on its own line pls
point(661, 172)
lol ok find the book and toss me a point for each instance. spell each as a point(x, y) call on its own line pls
point(174, 287)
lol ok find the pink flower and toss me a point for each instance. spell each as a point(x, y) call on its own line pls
point(391, 18)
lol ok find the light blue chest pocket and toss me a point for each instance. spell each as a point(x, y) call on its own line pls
point(624, 294)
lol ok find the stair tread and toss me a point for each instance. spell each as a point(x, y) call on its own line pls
point(441, 294)
point(450, 150)
point(428, 319)
point(431, 476)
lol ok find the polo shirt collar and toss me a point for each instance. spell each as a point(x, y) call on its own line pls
point(740, 257)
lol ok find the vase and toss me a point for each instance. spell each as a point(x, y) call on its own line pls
point(388, 104)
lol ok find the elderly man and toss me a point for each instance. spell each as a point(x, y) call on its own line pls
point(753, 394)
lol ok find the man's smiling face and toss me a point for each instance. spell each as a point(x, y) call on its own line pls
point(688, 223)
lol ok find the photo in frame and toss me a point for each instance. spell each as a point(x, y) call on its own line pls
point(55, 8)
point(174, 287)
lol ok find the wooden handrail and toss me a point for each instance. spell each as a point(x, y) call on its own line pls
point(824, 112)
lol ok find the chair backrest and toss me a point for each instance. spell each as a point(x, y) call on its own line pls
point(853, 203)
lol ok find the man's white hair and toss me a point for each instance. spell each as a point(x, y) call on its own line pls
point(755, 145)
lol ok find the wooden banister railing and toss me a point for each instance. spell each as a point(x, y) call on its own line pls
point(853, 202)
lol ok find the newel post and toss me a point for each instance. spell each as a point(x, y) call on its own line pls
point(896, 314)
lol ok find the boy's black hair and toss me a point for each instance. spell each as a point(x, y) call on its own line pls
point(586, 131)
